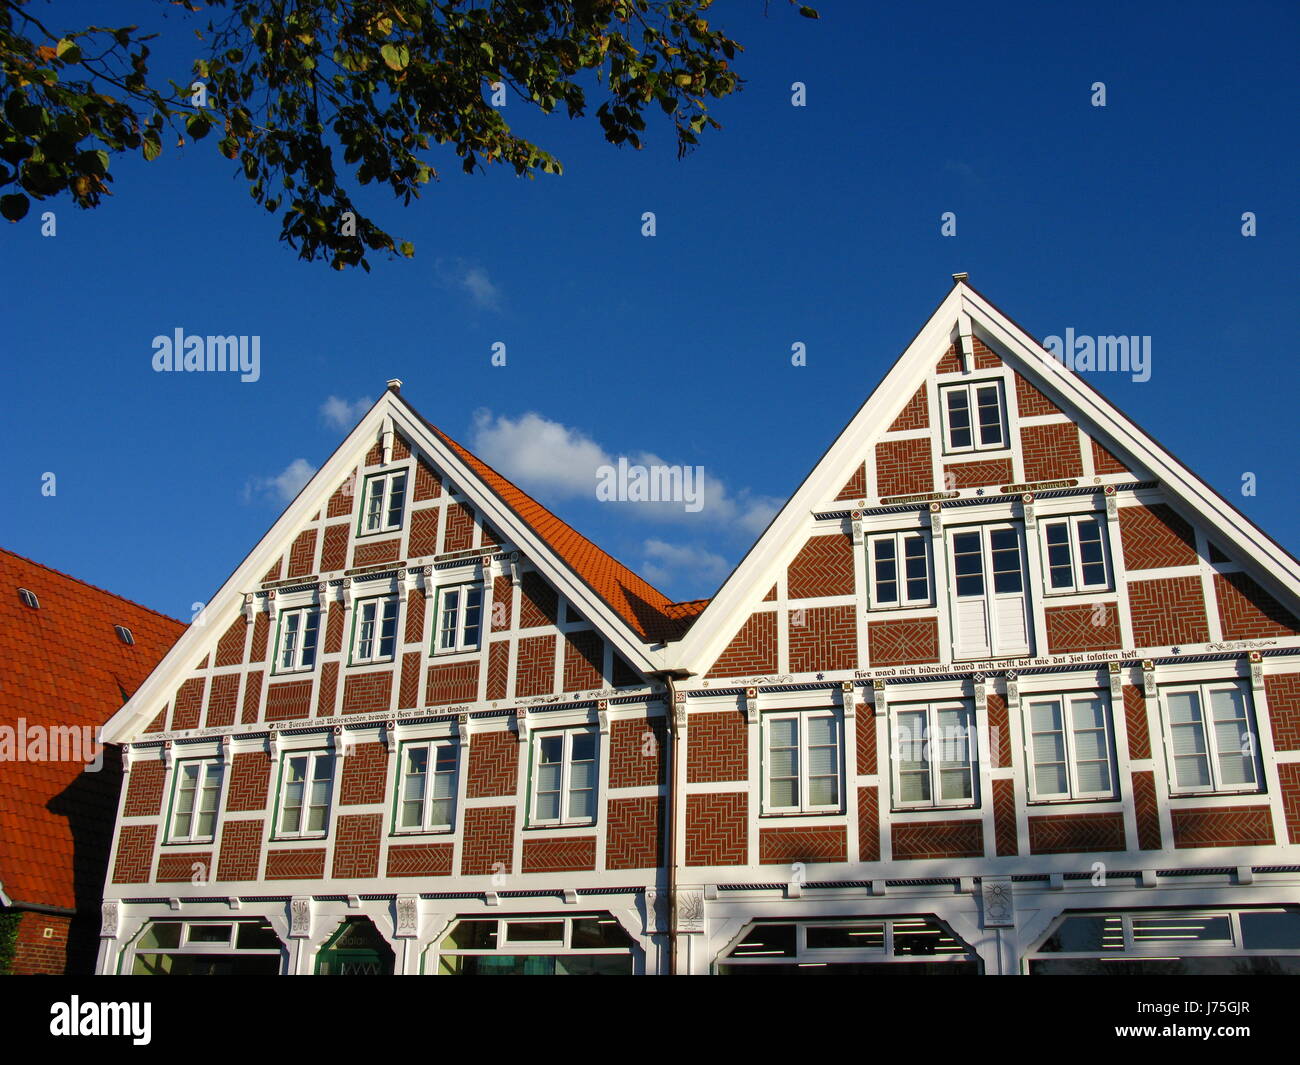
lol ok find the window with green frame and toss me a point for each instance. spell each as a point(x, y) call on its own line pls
point(460, 619)
point(296, 639)
point(196, 797)
point(382, 503)
point(426, 796)
point(374, 629)
point(306, 783)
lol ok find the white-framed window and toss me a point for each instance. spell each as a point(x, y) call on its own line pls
point(934, 755)
point(899, 565)
point(306, 780)
point(460, 618)
point(196, 798)
point(1070, 748)
point(374, 629)
point(1074, 551)
point(427, 790)
point(853, 946)
point(802, 762)
point(974, 417)
point(564, 777)
point(383, 503)
point(296, 638)
point(987, 587)
point(205, 948)
point(1211, 739)
point(586, 945)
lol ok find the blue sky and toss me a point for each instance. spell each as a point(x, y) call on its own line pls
point(818, 224)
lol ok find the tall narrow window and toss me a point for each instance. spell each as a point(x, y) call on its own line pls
point(428, 788)
point(385, 499)
point(802, 762)
point(990, 608)
point(460, 618)
point(934, 755)
point(305, 794)
point(374, 630)
point(564, 777)
point(1211, 735)
point(973, 417)
point(195, 800)
point(1070, 747)
point(296, 640)
point(900, 569)
point(1075, 553)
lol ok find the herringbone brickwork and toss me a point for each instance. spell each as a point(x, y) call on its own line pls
point(295, 864)
point(826, 640)
point(420, 859)
point(424, 532)
point(375, 552)
point(1051, 451)
point(241, 850)
point(559, 854)
point(335, 622)
point(999, 730)
point(365, 775)
point(287, 701)
point(1103, 462)
point(903, 467)
point(1004, 817)
point(498, 669)
point(824, 566)
point(302, 555)
point(408, 692)
point(502, 599)
point(1076, 833)
point(751, 651)
point(868, 825)
point(1085, 627)
point(341, 501)
point(252, 697)
point(493, 764)
point(938, 839)
point(716, 747)
point(1154, 537)
point(784, 846)
point(866, 741)
point(535, 666)
point(368, 693)
point(977, 474)
point(230, 648)
point(1283, 693)
point(261, 632)
point(916, 415)
point(1288, 775)
point(489, 839)
point(334, 548)
point(222, 698)
point(716, 829)
point(1147, 812)
point(1030, 402)
point(134, 854)
point(634, 839)
point(1223, 826)
point(636, 752)
point(144, 790)
point(427, 482)
point(1247, 612)
point(1135, 722)
point(356, 846)
point(250, 778)
point(329, 686)
point(902, 643)
point(539, 603)
point(584, 660)
point(175, 867)
point(414, 616)
point(1167, 612)
point(459, 535)
point(856, 486)
point(188, 704)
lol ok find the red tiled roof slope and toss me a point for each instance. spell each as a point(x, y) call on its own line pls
point(647, 610)
point(63, 664)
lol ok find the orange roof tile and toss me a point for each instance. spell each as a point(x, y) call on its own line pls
point(64, 665)
point(647, 610)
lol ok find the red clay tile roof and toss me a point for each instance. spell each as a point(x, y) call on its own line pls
point(63, 664)
point(647, 610)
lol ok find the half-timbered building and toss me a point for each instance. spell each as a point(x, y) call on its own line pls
point(1003, 688)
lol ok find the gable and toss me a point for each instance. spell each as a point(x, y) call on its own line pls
point(898, 460)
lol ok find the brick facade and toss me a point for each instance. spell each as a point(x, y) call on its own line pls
point(826, 640)
point(717, 747)
point(824, 566)
point(716, 829)
point(1167, 611)
point(751, 651)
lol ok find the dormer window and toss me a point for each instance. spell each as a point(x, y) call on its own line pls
point(974, 417)
point(385, 500)
point(29, 599)
point(124, 634)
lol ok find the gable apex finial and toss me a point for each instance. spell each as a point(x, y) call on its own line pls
point(395, 385)
point(957, 279)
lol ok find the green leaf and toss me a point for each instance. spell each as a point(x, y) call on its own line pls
point(408, 249)
point(152, 145)
point(808, 12)
point(198, 125)
point(396, 57)
point(67, 50)
point(13, 207)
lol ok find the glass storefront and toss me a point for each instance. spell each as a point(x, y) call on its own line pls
point(590, 945)
point(910, 946)
point(207, 948)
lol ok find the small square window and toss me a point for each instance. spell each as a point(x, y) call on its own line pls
point(460, 619)
point(899, 568)
point(974, 417)
point(374, 630)
point(1074, 553)
point(383, 503)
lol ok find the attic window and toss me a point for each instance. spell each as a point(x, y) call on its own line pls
point(124, 634)
point(29, 599)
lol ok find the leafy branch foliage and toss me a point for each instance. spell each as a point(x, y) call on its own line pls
point(308, 97)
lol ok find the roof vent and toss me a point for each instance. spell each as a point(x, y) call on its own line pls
point(395, 385)
point(124, 634)
point(957, 279)
point(29, 599)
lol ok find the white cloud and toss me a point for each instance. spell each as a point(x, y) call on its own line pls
point(338, 413)
point(471, 279)
point(674, 564)
point(552, 459)
point(283, 486)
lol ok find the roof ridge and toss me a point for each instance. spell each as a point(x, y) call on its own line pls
point(93, 587)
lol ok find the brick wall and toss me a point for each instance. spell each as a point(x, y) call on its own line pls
point(356, 845)
point(222, 697)
point(559, 854)
point(1247, 612)
point(1004, 817)
point(903, 642)
point(999, 730)
point(1084, 627)
point(427, 482)
point(424, 532)
point(1283, 693)
point(365, 774)
point(903, 467)
point(252, 697)
point(451, 682)
point(938, 839)
point(328, 690)
point(868, 825)
point(261, 633)
point(1050, 452)
point(716, 747)
point(976, 474)
point(1223, 826)
point(376, 552)
point(420, 859)
point(188, 703)
point(35, 952)
point(285, 701)
point(1076, 833)
point(535, 666)
point(751, 651)
point(824, 566)
point(636, 752)
point(489, 838)
point(367, 693)
point(408, 693)
point(784, 846)
point(134, 854)
point(1168, 611)
point(1103, 462)
point(241, 850)
point(250, 778)
point(414, 616)
point(539, 603)
point(176, 867)
point(459, 535)
point(827, 639)
point(295, 864)
point(303, 554)
point(334, 552)
point(1288, 775)
point(144, 790)
point(1154, 537)
point(866, 741)
point(916, 415)
point(230, 648)
point(498, 669)
point(1147, 811)
point(856, 486)
point(584, 660)
point(1135, 720)
point(493, 764)
point(633, 838)
point(716, 829)
point(1030, 402)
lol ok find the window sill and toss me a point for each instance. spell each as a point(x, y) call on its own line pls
point(293, 672)
point(378, 532)
point(453, 653)
point(552, 825)
point(372, 662)
point(421, 833)
point(1061, 593)
point(1084, 801)
point(1233, 794)
point(300, 839)
point(892, 608)
point(933, 809)
point(830, 811)
point(207, 842)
